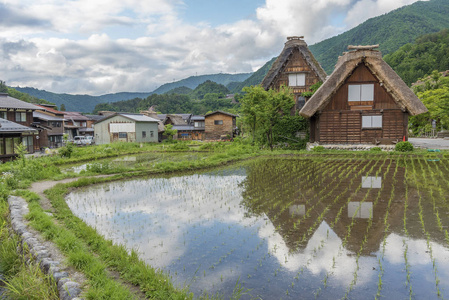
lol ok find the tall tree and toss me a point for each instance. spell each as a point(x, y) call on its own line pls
point(62, 108)
point(3, 87)
point(263, 110)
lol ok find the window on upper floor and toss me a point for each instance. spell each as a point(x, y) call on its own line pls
point(297, 79)
point(4, 115)
point(21, 117)
point(218, 122)
point(360, 92)
point(199, 124)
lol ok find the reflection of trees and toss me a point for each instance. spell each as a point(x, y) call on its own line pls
point(309, 191)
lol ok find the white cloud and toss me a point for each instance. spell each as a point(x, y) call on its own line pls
point(98, 47)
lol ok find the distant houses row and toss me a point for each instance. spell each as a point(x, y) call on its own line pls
point(42, 126)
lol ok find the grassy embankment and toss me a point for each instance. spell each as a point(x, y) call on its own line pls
point(85, 249)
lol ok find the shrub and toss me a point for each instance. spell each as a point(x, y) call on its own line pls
point(375, 149)
point(404, 147)
point(318, 149)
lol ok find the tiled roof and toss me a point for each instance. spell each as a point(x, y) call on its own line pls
point(10, 102)
point(11, 127)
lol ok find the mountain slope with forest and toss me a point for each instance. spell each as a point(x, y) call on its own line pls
point(390, 31)
point(415, 60)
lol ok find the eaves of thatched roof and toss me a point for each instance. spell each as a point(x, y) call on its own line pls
point(280, 63)
point(387, 77)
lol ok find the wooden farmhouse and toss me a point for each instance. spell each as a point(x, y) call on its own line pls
point(220, 125)
point(295, 67)
point(362, 102)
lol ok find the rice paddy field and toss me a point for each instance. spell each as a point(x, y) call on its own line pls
point(287, 228)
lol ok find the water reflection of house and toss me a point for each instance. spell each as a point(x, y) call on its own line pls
point(363, 101)
point(299, 198)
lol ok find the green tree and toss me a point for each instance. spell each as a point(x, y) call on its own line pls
point(263, 110)
point(3, 87)
point(62, 108)
point(169, 131)
point(434, 93)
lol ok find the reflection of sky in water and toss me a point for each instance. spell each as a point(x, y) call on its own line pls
point(194, 228)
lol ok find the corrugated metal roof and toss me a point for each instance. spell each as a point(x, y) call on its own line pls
point(197, 118)
point(138, 117)
point(10, 102)
point(42, 116)
point(72, 115)
point(187, 127)
point(8, 126)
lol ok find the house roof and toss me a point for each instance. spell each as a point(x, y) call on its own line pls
point(133, 117)
point(177, 119)
point(73, 115)
point(197, 118)
point(220, 112)
point(50, 109)
point(372, 59)
point(12, 127)
point(293, 43)
point(10, 102)
point(187, 128)
point(46, 117)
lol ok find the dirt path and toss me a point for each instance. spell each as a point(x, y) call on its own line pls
point(39, 188)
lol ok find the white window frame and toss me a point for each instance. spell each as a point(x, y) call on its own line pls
point(361, 92)
point(297, 79)
point(372, 121)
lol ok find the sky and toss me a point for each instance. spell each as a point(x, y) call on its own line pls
point(98, 47)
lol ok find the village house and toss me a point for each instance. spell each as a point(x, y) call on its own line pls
point(295, 67)
point(75, 124)
point(126, 127)
point(17, 126)
point(362, 102)
point(220, 125)
point(189, 127)
point(51, 123)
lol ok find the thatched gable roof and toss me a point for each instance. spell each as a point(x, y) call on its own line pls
point(387, 77)
point(176, 119)
point(292, 44)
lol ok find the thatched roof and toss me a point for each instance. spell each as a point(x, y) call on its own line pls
point(292, 44)
point(372, 59)
point(176, 119)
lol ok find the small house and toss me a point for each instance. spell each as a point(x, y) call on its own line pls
point(52, 123)
point(75, 124)
point(362, 102)
point(295, 67)
point(220, 125)
point(20, 113)
point(126, 127)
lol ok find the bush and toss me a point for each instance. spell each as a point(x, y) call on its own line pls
point(404, 147)
point(375, 149)
point(318, 149)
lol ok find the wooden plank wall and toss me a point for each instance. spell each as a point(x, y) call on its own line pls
point(340, 122)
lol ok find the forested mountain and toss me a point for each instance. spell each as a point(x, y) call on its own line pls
point(207, 96)
point(255, 79)
point(390, 31)
point(428, 53)
point(209, 87)
point(80, 103)
point(183, 90)
point(193, 81)
point(21, 96)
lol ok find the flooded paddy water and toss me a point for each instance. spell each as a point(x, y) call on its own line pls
point(287, 228)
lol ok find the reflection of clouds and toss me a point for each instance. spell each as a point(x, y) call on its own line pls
point(153, 215)
point(318, 255)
